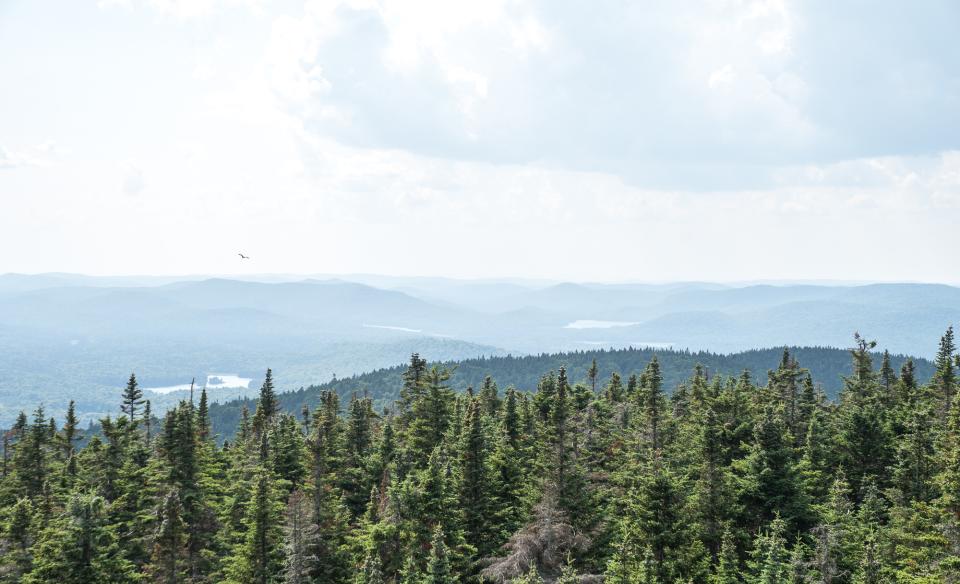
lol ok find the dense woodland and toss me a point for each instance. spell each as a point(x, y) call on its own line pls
point(827, 366)
point(721, 480)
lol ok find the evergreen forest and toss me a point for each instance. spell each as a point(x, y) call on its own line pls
point(717, 478)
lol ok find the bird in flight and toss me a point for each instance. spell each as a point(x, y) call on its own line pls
point(243, 257)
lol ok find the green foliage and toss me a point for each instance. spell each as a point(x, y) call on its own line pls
point(719, 480)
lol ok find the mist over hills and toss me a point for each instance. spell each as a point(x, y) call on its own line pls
point(68, 336)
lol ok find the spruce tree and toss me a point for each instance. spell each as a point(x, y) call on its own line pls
point(169, 565)
point(944, 381)
point(728, 569)
point(301, 537)
point(592, 373)
point(430, 415)
point(132, 399)
point(260, 558)
point(476, 492)
point(267, 405)
point(489, 397)
point(70, 433)
point(79, 548)
point(653, 403)
point(438, 568)
point(713, 499)
point(771, 559)
point(203, 416)
point(148, 422)
point(662, 520)
point(769, 483)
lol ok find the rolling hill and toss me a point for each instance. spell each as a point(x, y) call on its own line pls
point(827, 366)
point(68, 336)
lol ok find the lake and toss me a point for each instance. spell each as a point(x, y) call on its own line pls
point(214, 381)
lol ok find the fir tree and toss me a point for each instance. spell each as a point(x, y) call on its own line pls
point(79, 548)
point(945, 379)
point(301, 537)
point(132, 399)
point(70, 433)
point(476, 493)
point(728, 569)
point(769, 484)
point(170, 542)
point(592, 374)
point(203, 416)
point(438, 569)
point(260, 558)
point(653, 402)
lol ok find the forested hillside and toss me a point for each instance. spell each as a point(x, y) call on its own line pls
point(76, 337)
point(825, 365)
point(752, 479)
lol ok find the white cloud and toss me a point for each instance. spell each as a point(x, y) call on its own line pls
point(133, 182)
point(600, 140)
point(722, 77)
point(38, 155)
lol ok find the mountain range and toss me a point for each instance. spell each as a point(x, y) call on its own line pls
point(68, 336)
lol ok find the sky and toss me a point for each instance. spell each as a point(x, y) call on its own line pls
point(722, 140)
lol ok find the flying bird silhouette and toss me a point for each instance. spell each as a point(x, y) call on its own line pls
point(243, 257)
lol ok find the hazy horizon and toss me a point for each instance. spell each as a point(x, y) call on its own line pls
point(278, 277)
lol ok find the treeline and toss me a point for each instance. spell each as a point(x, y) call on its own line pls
point(729, 479)
point(827, 366)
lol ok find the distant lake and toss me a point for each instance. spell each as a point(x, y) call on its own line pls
point(598, 324)
point(215, 381)
point(392, 328)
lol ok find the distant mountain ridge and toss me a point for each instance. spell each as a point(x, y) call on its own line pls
point(71, 335)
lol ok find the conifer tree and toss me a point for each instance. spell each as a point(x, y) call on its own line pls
point(944, 381)
point(430, 414)
point(170, 542)
point(203, 416)
point(769, 484)
point(712, 495)
point(865, 443)
point(267, 405)
point(728, 569)
point(949, 479)
point(260, 558)
point(771, 559)
point(592, 374)
point(511, 419)
point(489, 397)
point(19, 536)
point(287, 452)
point(31, 461)
point(438, 569)
point(148, 422)
point(414, 383)
point(79, 548)
point(653, 403)
point(914, 467)
point(476, 493)
point(661, 519)
point(888, 376)
point(301, 537)
point(69, 434)
point(132, 399)
point(615, 391)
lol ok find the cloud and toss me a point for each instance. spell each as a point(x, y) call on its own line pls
point(133, 182)
point(659, 94)
point(182, 9)
point(38, 155)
